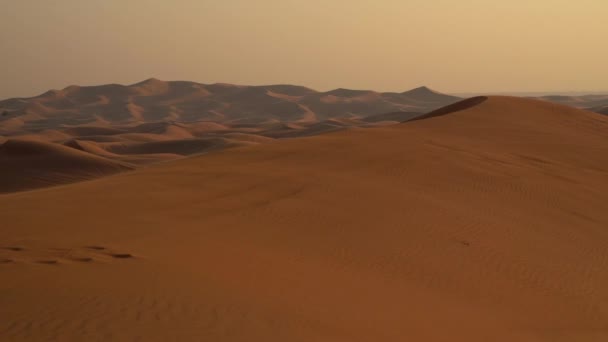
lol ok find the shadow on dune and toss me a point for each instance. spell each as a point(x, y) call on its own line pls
point(456, 107)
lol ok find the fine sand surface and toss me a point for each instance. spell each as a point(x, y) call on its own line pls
point(28, 164)
point(485, 221)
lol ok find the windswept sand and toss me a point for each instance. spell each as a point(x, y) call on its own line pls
point(483, 222)
point(156, 121)
point(28, 165)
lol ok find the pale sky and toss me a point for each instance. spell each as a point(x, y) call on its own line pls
point(387, 45)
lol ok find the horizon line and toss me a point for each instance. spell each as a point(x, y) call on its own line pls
point(453, 93)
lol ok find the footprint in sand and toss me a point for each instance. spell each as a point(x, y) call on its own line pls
point(48, 262)
point(122, 256)
point(96, 248)
point(14, 249)
point(56, 256)
point(113, 255)
point(83, 259)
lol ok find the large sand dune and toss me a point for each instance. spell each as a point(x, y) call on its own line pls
point(31, 164)
point(155, 121)
point(486, 221)
point(154, 100)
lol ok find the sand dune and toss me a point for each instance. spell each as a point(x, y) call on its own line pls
point(154, 100)
point(485, 221)
point(425, 94)
point(182, 147)
point(93, 130)
point(153, 120)
point(395, 117)
point(583, 101)
point(600, 109)
point(49, 135)
point(453, 108)
point(90, 147)
point(156, 121)
point(30, 164)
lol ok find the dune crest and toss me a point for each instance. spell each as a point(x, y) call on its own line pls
point(456, 107)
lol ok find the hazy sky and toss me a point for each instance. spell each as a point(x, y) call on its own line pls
point(389, 45)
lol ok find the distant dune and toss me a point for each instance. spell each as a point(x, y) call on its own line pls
point(600, 109)
point(154, 100)
point(155, 121)
point(484, 221)
point(182, 147)
point(582, 101)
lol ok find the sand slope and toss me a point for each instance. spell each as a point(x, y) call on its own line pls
point(483, 222)
point(155, 121)
point(395, 117)
point(601, 109)
point(31, 164)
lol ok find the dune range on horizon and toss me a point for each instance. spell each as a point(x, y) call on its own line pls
point(157, 121)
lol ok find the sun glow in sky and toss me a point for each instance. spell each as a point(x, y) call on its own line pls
point(388, 45)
